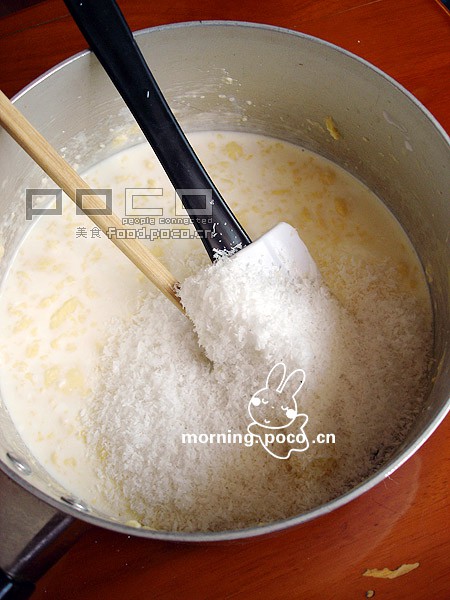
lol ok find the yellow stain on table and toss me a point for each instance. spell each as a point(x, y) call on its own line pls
point(388, 574)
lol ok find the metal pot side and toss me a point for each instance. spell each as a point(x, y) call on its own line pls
point(256, 78)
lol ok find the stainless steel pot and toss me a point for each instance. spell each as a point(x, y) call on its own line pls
point(246, 77)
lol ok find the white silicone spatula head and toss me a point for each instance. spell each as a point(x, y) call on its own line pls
point(281, 246)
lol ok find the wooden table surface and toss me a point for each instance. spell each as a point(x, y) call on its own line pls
point(403, 520)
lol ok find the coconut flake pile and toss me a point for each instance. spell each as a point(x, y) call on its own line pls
point(163, 375)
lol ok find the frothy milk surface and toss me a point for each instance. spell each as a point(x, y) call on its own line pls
point(68, 282)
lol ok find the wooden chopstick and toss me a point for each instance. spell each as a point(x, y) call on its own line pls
point(43, 153)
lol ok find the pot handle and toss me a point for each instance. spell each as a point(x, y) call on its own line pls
point(33, 536)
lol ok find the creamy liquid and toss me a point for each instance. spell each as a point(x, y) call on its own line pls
point(63, 289)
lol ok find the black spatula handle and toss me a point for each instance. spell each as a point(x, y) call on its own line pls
point(104, 27)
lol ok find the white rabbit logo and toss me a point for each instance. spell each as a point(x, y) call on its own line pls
point(273, 410)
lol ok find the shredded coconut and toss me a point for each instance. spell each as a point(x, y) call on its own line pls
point(163, 375)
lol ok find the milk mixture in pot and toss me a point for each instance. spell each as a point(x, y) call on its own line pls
point(102, 375)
